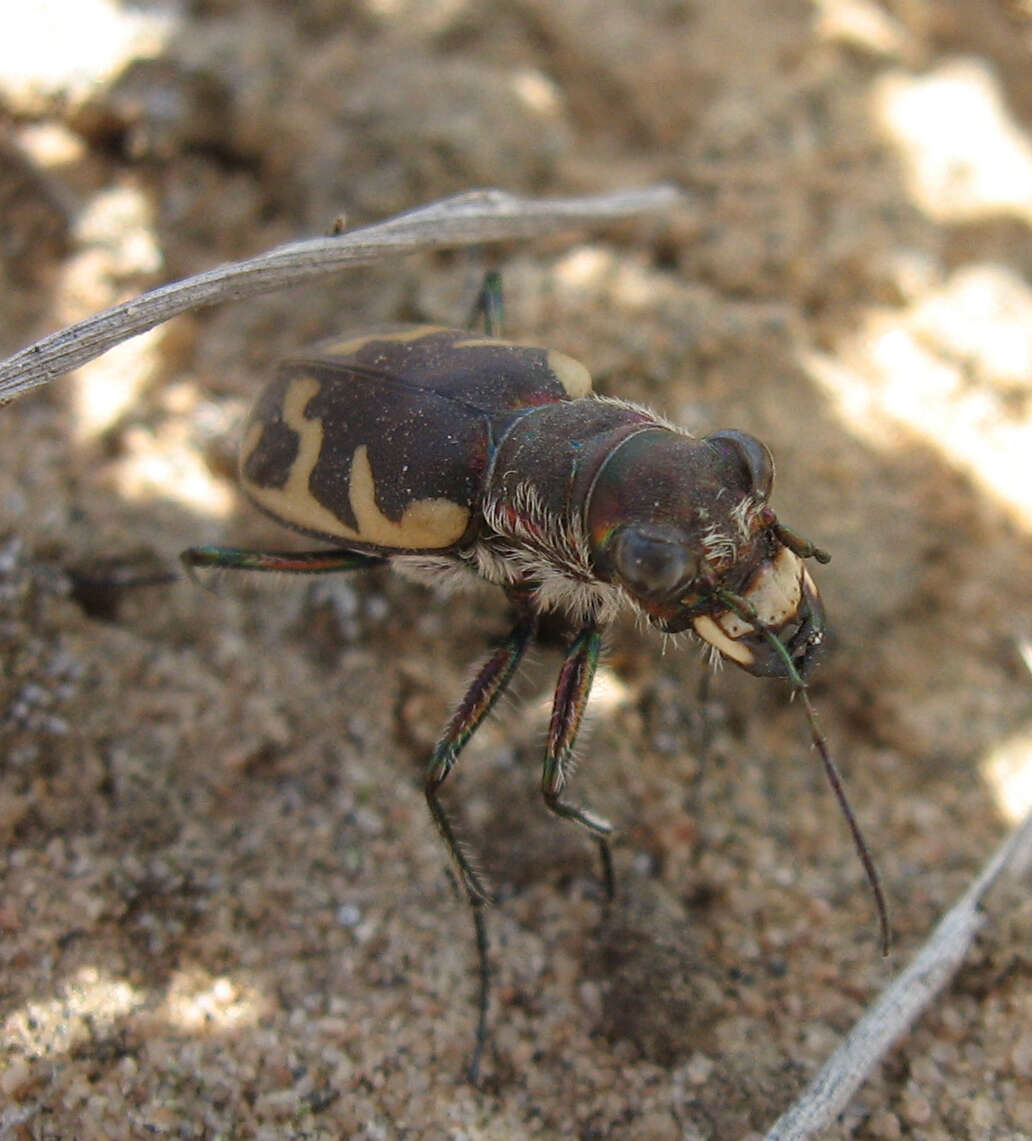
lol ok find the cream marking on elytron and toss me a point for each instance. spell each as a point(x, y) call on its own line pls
point(429, 523)
point(426, 522)
point(350, 345)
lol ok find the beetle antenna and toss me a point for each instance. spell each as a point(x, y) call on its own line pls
point(794, 541)
point(747, 612)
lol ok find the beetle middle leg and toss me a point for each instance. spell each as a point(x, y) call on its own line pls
point(489, 684)
point(571, 699)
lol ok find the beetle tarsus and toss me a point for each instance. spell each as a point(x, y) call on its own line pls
point(605, 856)
point(484, 993)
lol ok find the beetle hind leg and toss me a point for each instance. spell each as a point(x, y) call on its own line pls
point(283, 562)
point(571, 699)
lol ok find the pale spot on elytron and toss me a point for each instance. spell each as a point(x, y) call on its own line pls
point(571, 374)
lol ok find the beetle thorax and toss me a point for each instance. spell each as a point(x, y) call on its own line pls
point(529, 543)
point(533, 504)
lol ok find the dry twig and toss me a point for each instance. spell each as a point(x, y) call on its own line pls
point(463, 220)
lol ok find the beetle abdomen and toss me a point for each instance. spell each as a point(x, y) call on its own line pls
point(381, 442)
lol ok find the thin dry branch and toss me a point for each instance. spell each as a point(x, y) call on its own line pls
point(902, 1003)
point(463, 220)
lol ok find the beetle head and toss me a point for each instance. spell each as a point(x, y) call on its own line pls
point(684, 527)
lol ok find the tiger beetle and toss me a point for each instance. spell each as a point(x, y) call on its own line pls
point(447, 453)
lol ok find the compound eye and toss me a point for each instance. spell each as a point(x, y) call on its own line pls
point(652, 561)
point(753, 455)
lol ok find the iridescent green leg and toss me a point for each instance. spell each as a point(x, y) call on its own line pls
point(571, 698)
point(487, 687)
point(286, 562)
point(489, 304)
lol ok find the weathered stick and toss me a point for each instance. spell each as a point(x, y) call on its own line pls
point(463, 220)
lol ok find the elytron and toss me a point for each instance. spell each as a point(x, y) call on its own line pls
point(449, 453)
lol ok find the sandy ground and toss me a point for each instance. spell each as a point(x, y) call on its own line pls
point(224, 910)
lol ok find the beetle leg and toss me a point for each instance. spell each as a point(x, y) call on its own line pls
point(489, 304)
point(489, 684)
point(288, 562)
point(571, 698)
point(487, 687)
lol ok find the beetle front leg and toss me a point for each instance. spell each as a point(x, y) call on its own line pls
point(489, 684)
point(571, 699)
point(487, 687)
